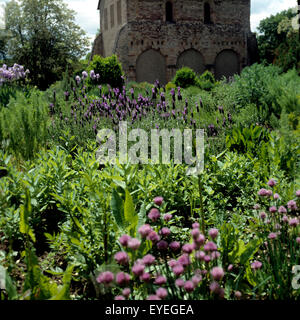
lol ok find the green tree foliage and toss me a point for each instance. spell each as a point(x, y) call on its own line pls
point(44, 38)
point(278, 42)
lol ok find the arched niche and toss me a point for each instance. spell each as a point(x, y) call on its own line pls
point(227, 64)
point(151, 66)
point(193, 59)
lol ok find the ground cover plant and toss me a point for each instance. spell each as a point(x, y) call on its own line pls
point(71, 228)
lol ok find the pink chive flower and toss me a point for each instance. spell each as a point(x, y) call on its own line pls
point(200, 240)
point(213, 233)
point(188, 248)
point(276, 196)
point(124, 240)
point(195, 233)
point(122, 258)
point(138, 269)
point(144, 230)
point(153, 297)
point(148, 260)
point(119, 298)
point(221, 293)
point(154, 214)
point(134, 244)
point(184, 260)
point(263, 215)
point(256, 207)
point(195, 225)
point(215, 255)
point(153, 236)
point(122, 278)
point(162, 245)
point(179, 283)
point(196, 279)
point(189, 286)
point(178, 270)
point(158, 201)
point(298, 193)
point(126, 292)
point(256, 265)
point(269, 193)
point(238, 294)
point(293, 222)
point(285, 218)
point(105, 277)
point(282, 209)
point(214, 287)
point(217, 273)
point(273, 209)
point(207, 258)
point(174, 245)
point(230, 267)
point(199, 255)
point(292, 205)
point(271, 183)
point(210, 246)
point(165, 232)
point(172, 263)
point(263, 192)
point(272, 235)
point(160, 280)
point(146, 276)
point(167, 217)
point(161, 293)
point(298, 240)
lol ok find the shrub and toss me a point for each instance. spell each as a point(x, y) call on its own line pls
point(185, 77)
point(170, 85)
point(109, 70)
point(206, 81)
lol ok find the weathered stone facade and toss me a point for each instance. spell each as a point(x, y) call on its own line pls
point(154, 38)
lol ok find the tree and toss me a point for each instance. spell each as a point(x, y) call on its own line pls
point(269, 39)
point(44, 38)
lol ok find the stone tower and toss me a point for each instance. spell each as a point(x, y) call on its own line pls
point(154, 38)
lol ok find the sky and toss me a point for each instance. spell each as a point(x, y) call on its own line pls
point(87, 15)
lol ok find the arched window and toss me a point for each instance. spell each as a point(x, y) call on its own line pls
point(169, 11)
point(207, 19)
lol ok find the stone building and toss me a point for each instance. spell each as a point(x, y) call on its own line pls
point(154, 38)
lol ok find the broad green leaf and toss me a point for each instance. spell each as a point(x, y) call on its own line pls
point(131, 218)
point(117, 207)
